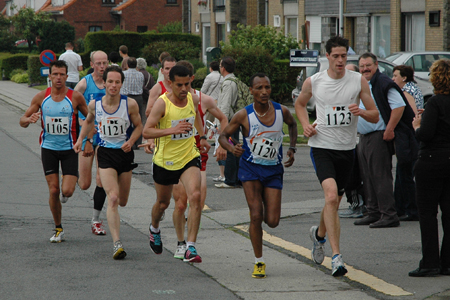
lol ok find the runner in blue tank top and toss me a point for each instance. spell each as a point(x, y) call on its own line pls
point(92, 87)
point(260, 167)
point(58, 107)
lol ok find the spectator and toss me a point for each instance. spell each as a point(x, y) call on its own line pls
point(74, 63)
point(376, 145)
point(149, 82)
point(404, 190)
point(132, 87)
point(432, 172)
point(114, 58)
point(123, 51)
point(227, 98)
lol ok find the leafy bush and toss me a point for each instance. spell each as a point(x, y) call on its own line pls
point(17, 61)
point(16, 71)
point(174, 27)
point(34, 70)
point(180, 50)
point(79, 45)
point(199, 78)
point(153, 71)
point(109, 41)
point(20, 77)
point(55, 35)
point(265, 36)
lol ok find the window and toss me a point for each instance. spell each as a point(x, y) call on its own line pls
point(381, 36)
point(142, 28)
point(276, 21)
point(220, 33)
point(434, 19)
point(95, 28)
point(291, 27)
point(30, 4)
point(415, 32)
point(219, 5)
point(171, 2)
point(108, 1)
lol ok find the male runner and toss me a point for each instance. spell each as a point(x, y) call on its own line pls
point(332, 138)
point(114, 114)
point(91, 86)
point(260, 167)
point(176, 157)
point(205, 104)
point(59, 107)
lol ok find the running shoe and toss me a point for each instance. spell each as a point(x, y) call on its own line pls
point(181, 249)
point(155, 242)
point(63, 198)
point(97, 228)
point(119, 252)
point(191, 255)
point(337, 266)
point(219, 179)
point(352, 212)
point(58, 236)
point(259, 271)
point(318, 250)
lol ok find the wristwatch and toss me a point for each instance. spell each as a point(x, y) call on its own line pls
point(294, 149)
point(91, 141)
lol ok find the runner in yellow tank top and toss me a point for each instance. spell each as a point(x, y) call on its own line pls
point(174, 151)
point(171, 122)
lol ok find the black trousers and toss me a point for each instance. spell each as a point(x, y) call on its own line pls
point(433, 190)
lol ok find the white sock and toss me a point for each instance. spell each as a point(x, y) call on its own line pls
point(259, 260)
point(153, 229)
point(190, 244)
point(96, 216)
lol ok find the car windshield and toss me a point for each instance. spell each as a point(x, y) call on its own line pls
point(393, 57)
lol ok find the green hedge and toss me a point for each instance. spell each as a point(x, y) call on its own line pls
point(180, 50)
point(17, 61)
point(34, 70)
point(109, 41)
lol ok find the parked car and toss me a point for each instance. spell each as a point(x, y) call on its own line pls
point(420, 61)
point(385, 67)
point(24, 43)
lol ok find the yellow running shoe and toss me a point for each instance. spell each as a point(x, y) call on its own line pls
point(259, 271)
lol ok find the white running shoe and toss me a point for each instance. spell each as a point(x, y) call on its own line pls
point(337, 266)
point(97, 228)
point(119, 252)
point(318, 250)
point(58, 236)
point(179, 253)
point(219, 179)
point(63, 198)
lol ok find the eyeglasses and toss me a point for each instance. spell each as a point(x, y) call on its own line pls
point(368, 66)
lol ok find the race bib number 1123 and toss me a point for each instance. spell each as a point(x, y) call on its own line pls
point(338, 115)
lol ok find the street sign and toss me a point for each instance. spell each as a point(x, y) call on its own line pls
point(303, 58)
point(45, 71)
point(46, 57)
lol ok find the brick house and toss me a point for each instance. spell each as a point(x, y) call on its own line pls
point(130, 15)
point(402, 25)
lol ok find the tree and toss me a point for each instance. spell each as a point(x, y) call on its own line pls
point(7, 38)
point(27, 25)
point(55, 35)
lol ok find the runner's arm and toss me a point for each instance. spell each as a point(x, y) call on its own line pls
point(292, 128)
point(32, 114)
point(135, 117)
point(300, 108)
point(370, 114)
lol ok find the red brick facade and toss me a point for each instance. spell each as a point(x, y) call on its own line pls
point(86, 14)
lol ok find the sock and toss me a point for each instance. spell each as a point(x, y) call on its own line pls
point(318, 237)
point(99, 198)
point(259, 260)
point(181, 243)
point(336, 255)
point(153, 229)
point(96, 215)
point(188, 244)
point(58, 226)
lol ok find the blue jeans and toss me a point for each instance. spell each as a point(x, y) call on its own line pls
point(232, 166)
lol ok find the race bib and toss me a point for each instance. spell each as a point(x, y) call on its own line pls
point(183, 136)
point(113, 127)
point(338, 115)
point(265, 148)
point(57, 125)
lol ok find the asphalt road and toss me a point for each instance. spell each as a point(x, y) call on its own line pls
point(82, 266)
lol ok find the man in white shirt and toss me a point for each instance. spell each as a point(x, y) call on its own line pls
point(74, 63)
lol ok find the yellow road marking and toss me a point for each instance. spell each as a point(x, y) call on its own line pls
point(353, 273)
